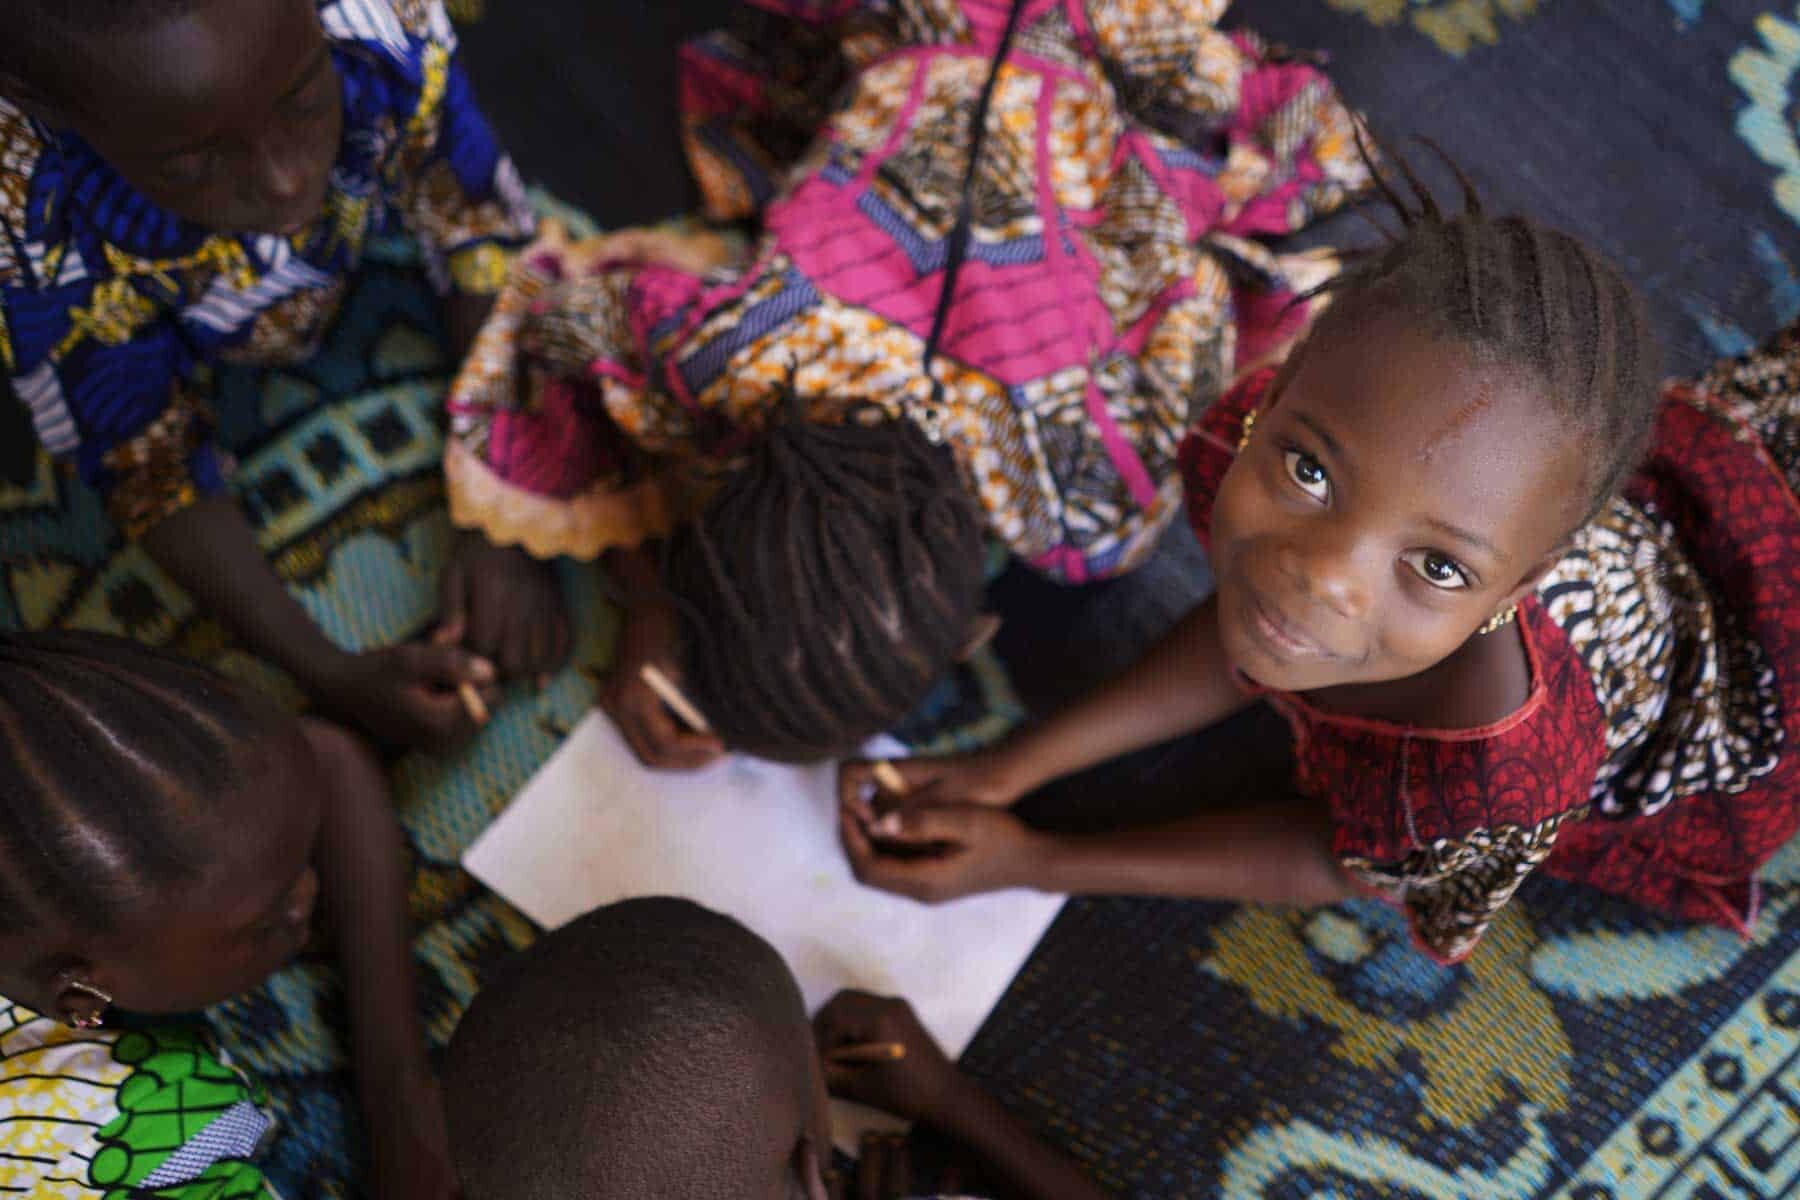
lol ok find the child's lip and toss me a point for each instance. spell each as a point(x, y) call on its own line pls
point(1281, 636)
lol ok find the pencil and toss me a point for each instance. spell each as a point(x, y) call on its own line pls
point(890, 780)
point(671, 696)
point(472, 701)
point(868, 1052)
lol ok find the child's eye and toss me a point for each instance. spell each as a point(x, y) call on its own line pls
point(1439, 570)
point(1308, 474)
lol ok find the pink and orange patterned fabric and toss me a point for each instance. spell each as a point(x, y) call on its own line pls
point(1111, 285)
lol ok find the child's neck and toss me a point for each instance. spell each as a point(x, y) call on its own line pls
point(1486, 680)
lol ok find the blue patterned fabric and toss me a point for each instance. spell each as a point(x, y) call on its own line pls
point(109, 305)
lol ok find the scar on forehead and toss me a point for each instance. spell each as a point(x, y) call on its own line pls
point(1487, 388)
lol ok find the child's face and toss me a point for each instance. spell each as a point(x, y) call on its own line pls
point(1394, 498)
point(227, 114)
point(186, 947)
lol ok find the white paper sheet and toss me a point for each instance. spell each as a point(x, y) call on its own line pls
point(758, 841)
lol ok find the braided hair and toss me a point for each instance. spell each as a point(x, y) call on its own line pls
point(113, 757)
point(829, 583)
point(1522, 297)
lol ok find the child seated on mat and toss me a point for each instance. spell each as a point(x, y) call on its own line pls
point(1520, 614)
point(164, 840)
point(654, 1050)
point(1002, 265)
point(189, 182)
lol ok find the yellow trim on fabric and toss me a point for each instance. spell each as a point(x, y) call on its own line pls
point(480, 270)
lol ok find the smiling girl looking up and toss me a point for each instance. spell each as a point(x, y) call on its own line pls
point(1519, 614)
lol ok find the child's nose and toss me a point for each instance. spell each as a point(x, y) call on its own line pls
point(1328, 572)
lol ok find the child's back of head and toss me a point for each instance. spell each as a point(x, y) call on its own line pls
point(156, 829)
point(832, 581)
point(649, 1050)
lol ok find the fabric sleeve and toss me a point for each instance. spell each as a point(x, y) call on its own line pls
point(106, 376)
point(190, 1126)
point(556, 430)
point(460, 194)
point(153, 1111)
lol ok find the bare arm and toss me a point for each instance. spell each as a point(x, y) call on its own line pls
point(403, 694)
point(1026, 1165)
point(210, 550)
point(1184, 683)
point(362, 867)
point(1275, 854)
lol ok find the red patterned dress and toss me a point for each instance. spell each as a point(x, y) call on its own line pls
point(1654, 757)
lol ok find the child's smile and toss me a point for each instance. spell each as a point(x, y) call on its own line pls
point(1391, 500)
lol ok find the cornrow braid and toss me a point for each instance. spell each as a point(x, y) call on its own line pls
point(827, 585)
point(1522, 297)
point(113, 756)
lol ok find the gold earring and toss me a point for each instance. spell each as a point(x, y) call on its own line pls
point(92, 1020)
point(1249, 428)
point(1501, 619)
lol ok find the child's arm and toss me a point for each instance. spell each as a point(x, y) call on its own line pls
point(924, 1085)
point(405, 694)
point(362, 867)
point(1184, 683)
point(1274, 854)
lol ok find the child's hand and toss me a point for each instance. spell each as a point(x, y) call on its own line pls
point(658, 738)
point(408, 695)
point(934, 854)
point(989, 778)
point(504, 605)
point(922, 1085)
point(883, 1172)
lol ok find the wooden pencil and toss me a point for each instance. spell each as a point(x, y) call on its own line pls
point(891, 781)
point(473, 703)
point(671, 695)
point(868, 1052)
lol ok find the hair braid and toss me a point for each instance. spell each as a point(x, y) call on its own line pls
point(1521, 296)
point(829, 583)
point(112, 756)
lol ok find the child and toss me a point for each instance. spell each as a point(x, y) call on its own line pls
point(184, 182)
point(165, 841)
point(1505, 638)
point(993, 285)
point(658, 1051)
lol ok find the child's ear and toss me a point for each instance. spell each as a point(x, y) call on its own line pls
point(980, 634)
point(1536, 574)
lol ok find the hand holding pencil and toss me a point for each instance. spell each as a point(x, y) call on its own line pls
point(645, 697)
point(876, 1052)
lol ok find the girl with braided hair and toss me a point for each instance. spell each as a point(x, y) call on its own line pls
point(1520, 615)
point(1004, 259)
point(164, 840)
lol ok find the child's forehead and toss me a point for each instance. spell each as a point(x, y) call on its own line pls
point(1427, 422)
